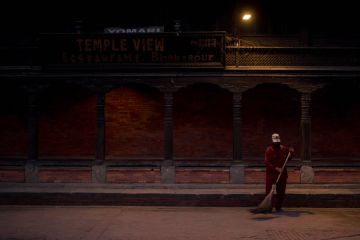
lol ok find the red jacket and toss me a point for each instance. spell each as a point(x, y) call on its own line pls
point(274, 159)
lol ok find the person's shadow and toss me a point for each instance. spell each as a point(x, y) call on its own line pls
point(293, 213)
point(285, 213)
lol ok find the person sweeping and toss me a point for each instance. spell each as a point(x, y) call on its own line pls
point(276, 157)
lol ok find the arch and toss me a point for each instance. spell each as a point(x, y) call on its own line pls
point(67, 117)
point(281, 83)
point(184, 85)
point(335, 112)
point(13, 121)
point(203, 122)
point(135, 84)
point(268, 108)
point(134, 122)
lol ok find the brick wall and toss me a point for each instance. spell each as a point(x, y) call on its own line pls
point(337, 175)
point(64, 175)
point(203, 122)
point(67, 122)
point(270, 108)
point(257, 175)
point(336, 122)
point(202, 175)
point(13, 122)
point(254, 175)
point(323, 175)
point(134, 122)
point(12, 175)
point(133, 175)
point(202, 129)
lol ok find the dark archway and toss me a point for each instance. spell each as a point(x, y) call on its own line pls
point(13, 121)
point(67, 121)
point(134, 116)
point(335, 112)
point(203, 122)
point(266, 109)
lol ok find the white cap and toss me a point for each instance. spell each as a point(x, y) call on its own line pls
point(275, 137)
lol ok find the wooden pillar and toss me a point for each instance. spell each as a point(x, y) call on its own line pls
point(31, 168)
point(168, 128)
point(100, 126)
point(306, 171)
point(237, 168)
point(237, 121)
point(305, 127)
point(168, 169)
point(99, 168)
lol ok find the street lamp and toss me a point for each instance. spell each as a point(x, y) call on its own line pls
point(242, 22)
point(246, 17)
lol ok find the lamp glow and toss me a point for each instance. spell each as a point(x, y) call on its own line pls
point(246, 17)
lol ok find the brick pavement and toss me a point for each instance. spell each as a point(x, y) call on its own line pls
point(160, 223)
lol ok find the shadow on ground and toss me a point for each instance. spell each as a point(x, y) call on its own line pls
point(273, 215)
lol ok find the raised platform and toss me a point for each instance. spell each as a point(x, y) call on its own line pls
point(240, 195)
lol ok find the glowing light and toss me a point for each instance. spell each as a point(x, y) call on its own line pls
point(246, 17)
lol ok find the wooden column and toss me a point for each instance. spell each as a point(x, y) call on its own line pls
point(31, 167)
point(167, 169)
point(237, 121)
point(99, 168)
point(305, 127)
point(306, 87)
point(237, 168)
point(306, 171)
point(168, 127)
point(100, 126)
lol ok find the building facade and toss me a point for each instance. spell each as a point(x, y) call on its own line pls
point(178, 108)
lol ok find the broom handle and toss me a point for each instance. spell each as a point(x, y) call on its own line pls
point(282, 169)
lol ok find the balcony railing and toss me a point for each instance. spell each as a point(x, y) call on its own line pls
point(249, 51)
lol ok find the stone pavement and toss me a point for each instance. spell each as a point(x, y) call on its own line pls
point(175, 223)
point(235, 195)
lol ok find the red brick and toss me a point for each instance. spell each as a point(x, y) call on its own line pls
point(203, 122)
point(12, 175)
point(201, 175)
point(337, 175)
point(67, 122)
point(13, 122)
point(65, 175)
point(202, 127)
point(336, 122)
point(266, 109)
point(254, 175)
point(134, 122)
point(134, 175)
point(294, 176)
point(257, 175)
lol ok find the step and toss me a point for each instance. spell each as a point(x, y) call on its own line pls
point(231, 195)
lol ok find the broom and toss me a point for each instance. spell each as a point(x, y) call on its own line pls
point(266, 205)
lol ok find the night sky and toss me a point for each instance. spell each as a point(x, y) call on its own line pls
point(271, 16)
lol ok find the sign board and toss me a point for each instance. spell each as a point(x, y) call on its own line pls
point(152, 29)
point(184, 50)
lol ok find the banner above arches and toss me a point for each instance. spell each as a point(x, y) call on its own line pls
point(166, 50)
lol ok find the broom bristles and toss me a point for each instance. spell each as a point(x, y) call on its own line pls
point(266, 205)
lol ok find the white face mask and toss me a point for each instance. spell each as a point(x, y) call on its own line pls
point(275, 138)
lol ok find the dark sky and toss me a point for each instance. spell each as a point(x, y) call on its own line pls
point(271, 16)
